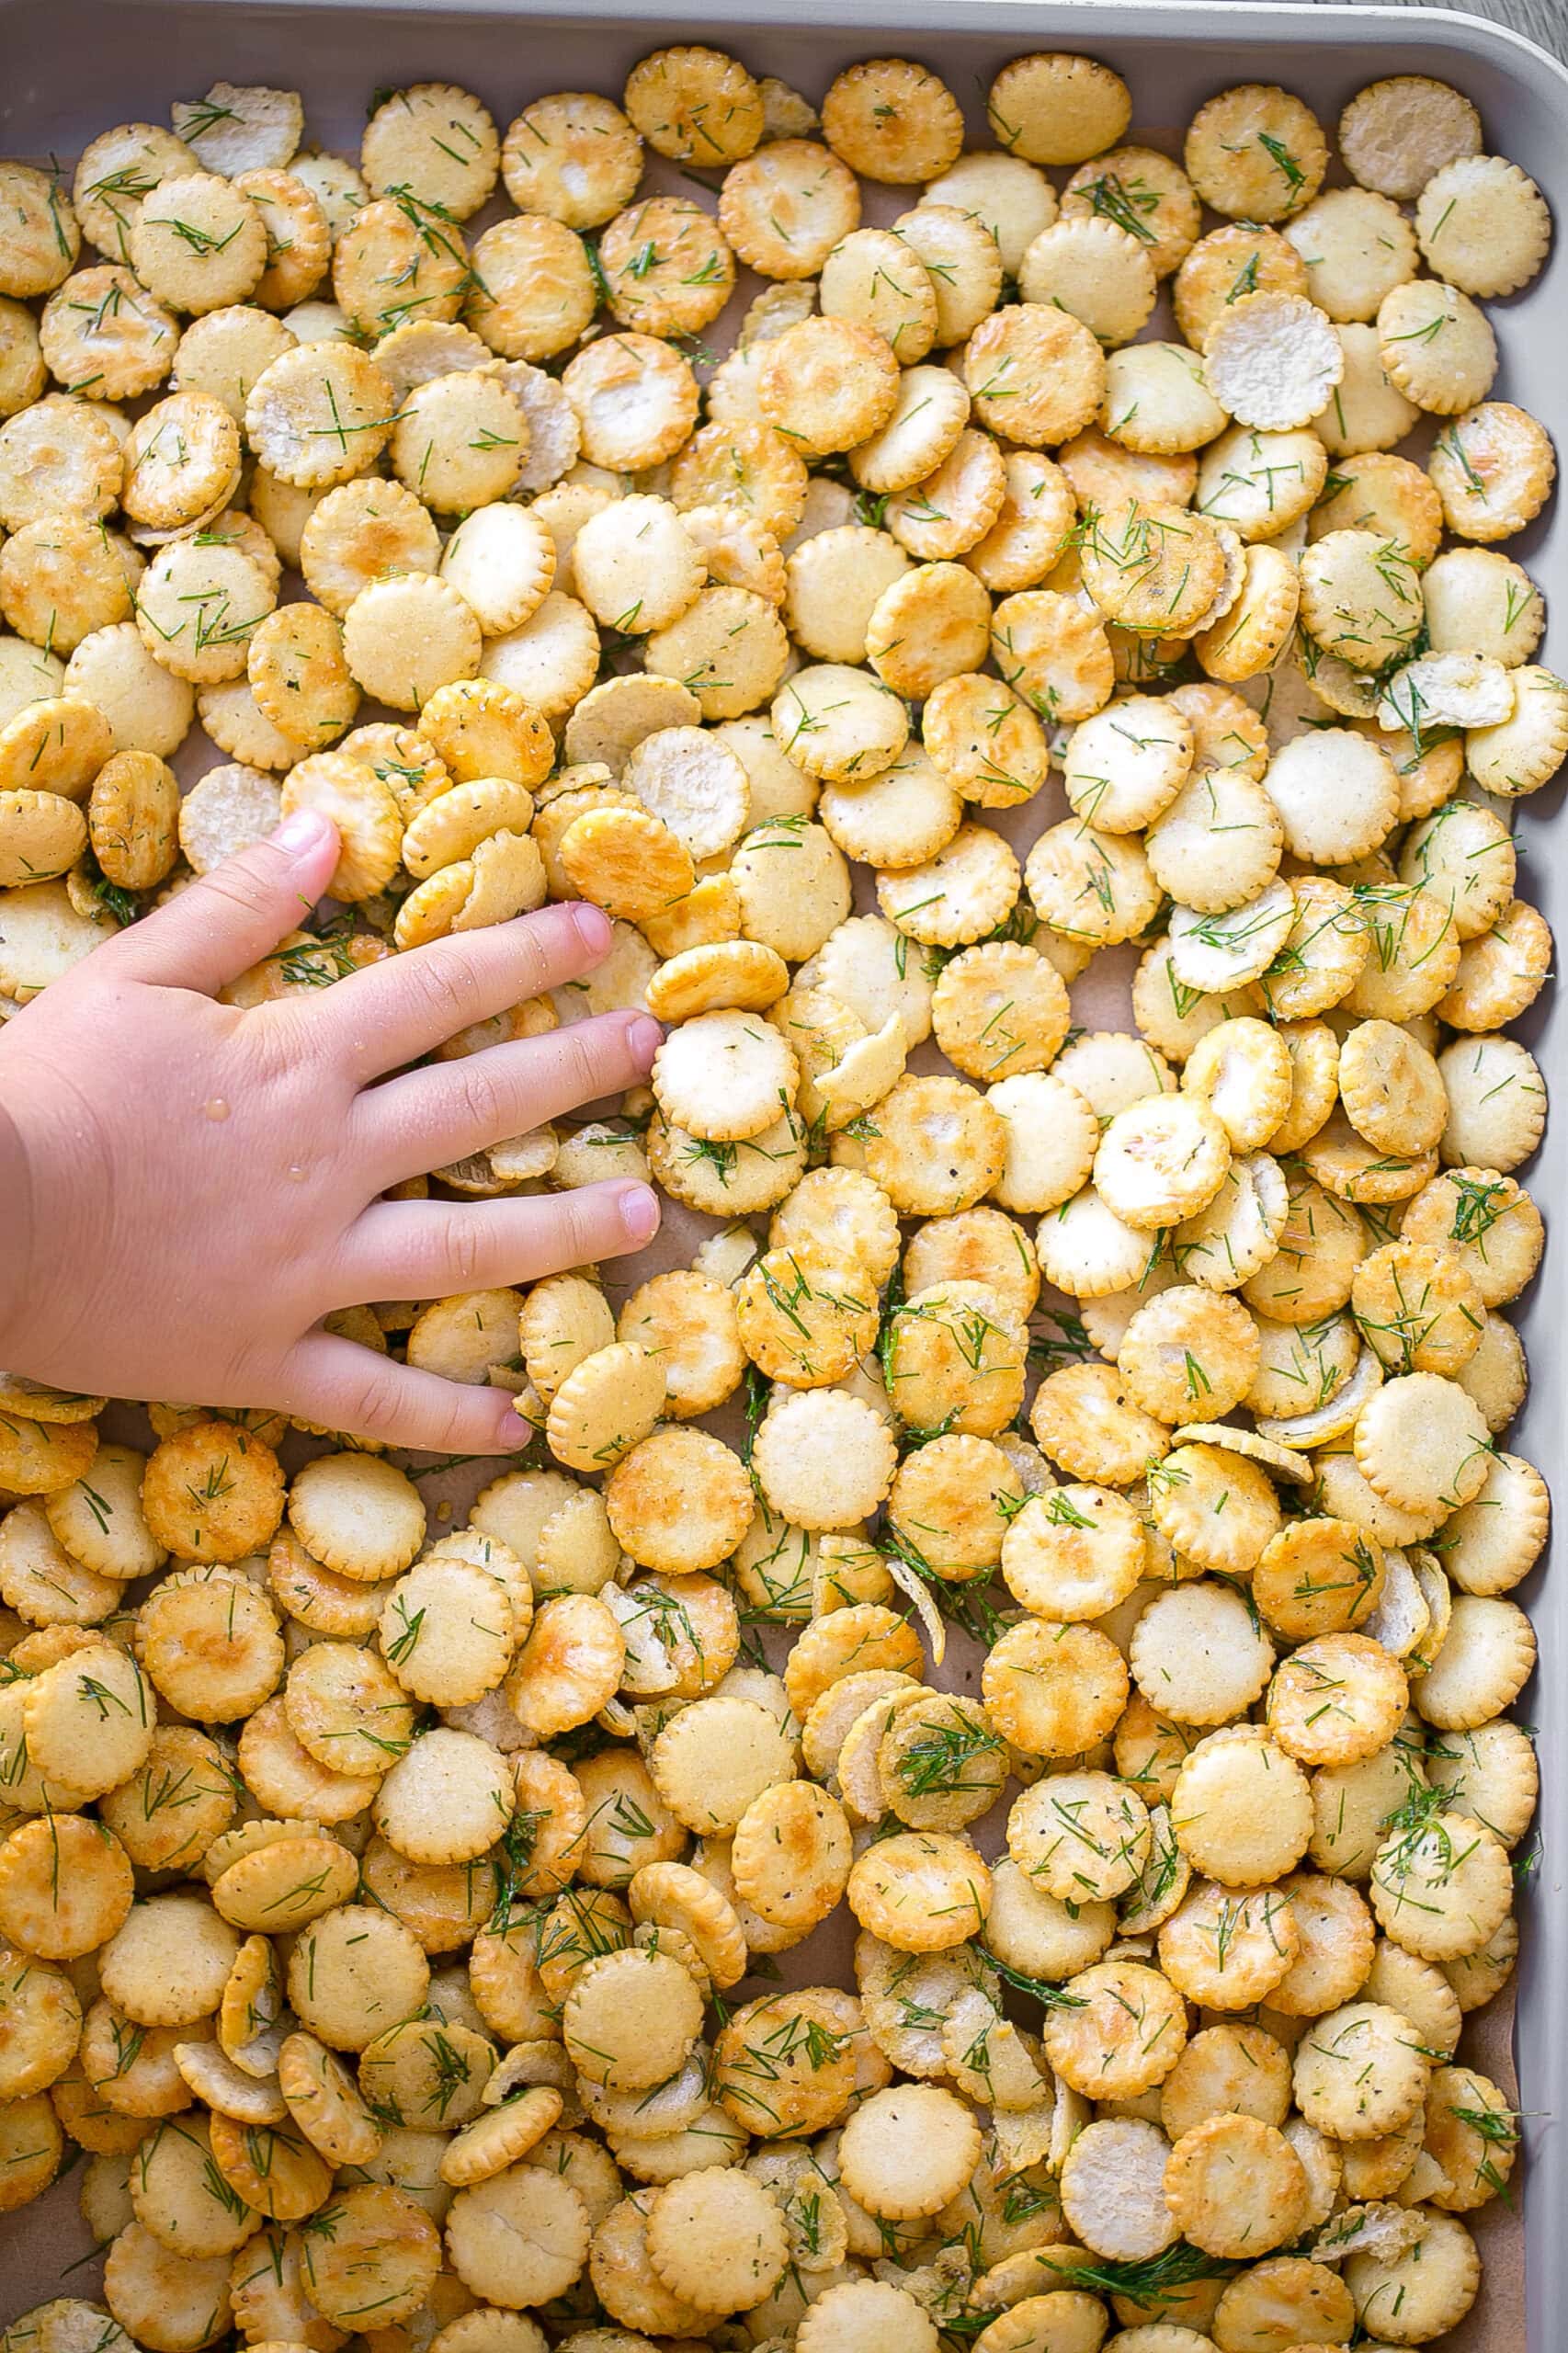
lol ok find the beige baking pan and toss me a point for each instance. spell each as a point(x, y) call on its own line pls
point(68, 68)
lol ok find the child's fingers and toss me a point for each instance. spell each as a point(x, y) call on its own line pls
point(447, 1110)
point(344, 1387)
point(393, 1012)
point(432, 1250)
point(233, 917)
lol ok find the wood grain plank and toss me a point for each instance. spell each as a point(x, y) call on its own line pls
point(1544, 21)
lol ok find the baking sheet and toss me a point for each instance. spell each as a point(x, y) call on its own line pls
point(69, 68)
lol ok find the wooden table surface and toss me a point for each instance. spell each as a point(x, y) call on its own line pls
point(1545, 21)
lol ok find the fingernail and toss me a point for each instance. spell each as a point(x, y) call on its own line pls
point(592, 927)
point(644, 1039)
point(303, 830)
point(639, 1212)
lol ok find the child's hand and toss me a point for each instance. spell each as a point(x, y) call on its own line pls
point(187, 1189)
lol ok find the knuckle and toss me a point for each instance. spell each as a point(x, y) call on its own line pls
point(588, 1053)
point(442, 1422)
point(280, 1034)
point(530, 942)
point(583, 1217)
point(485, 1101)
point(241, 883)
point(465, 1253)
point(445, 987)
point(371, 1400)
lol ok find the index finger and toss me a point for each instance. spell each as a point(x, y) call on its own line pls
point(390, 1014)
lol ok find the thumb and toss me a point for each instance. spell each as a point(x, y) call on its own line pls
point(217, 927)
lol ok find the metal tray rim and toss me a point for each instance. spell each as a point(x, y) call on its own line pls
point(1435, 39)
point(1293, 20)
